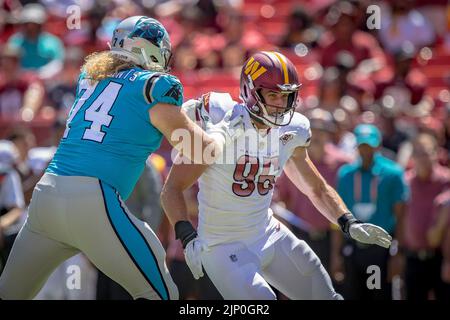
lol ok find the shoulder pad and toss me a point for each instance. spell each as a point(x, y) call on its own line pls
point(212, 106)
point(216, 105)
point(297, 132)
point(162, 87)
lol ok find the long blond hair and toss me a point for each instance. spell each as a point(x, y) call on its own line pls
point(103, 64)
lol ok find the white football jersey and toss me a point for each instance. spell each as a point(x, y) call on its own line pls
point(236, 191)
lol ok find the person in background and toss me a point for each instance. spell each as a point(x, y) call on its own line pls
point(427, 179)
point(439, 236)
point(43, 52)
point(12, 202)
point(21, 92)
point(24, 140)
point(373, 187)
point(404, 24)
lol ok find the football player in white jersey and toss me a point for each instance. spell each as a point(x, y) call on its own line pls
point(240, 244)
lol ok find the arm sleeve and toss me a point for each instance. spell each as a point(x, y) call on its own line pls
point(297, 133)
point(163, 88)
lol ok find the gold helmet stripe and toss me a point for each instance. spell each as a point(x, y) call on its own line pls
point(283, 65)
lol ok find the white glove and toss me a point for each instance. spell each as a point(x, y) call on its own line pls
point(370, 234)
point(192, 255)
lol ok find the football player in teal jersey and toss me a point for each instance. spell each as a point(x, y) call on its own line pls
point(125, 103)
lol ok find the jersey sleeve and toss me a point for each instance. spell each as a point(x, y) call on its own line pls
point(191, 107)
point(163, 88)
point(297, 133)
point(211, 106)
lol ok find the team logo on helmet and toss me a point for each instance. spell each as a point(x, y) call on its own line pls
point(253, 69)
point(148, 29)
point(143, 41)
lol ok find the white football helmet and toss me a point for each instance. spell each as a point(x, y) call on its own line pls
point(143, 41)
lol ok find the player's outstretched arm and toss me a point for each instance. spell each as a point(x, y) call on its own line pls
point(181, 177)
point(183, 134)
point(302, 172)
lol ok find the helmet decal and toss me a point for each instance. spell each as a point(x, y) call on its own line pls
point(252, 69)
point(149, 29)
point(283, 65)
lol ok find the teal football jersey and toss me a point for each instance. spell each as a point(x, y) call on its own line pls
point(108, 132)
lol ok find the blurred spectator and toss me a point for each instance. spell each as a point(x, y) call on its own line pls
point(439, 235)
point(41, 51)
point(332, 88)
point(24, 140)
point(424, 260)
point(11, 200)
point(300, 29)
point(427, 125)
point(199, 48)
point(21, 93)
point(327, 158)
point(86, 38)
point(30, 163)
point(393, 136)
point(373, 189)
point(6, 18)
point(344, 138)
point(403, 87)
point(447, 128)
point(347, 39)
point(241, 40)
point(402, 24)
point(61, 90)
point(208, 14)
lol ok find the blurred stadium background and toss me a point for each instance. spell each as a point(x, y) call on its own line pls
point(395, 76)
